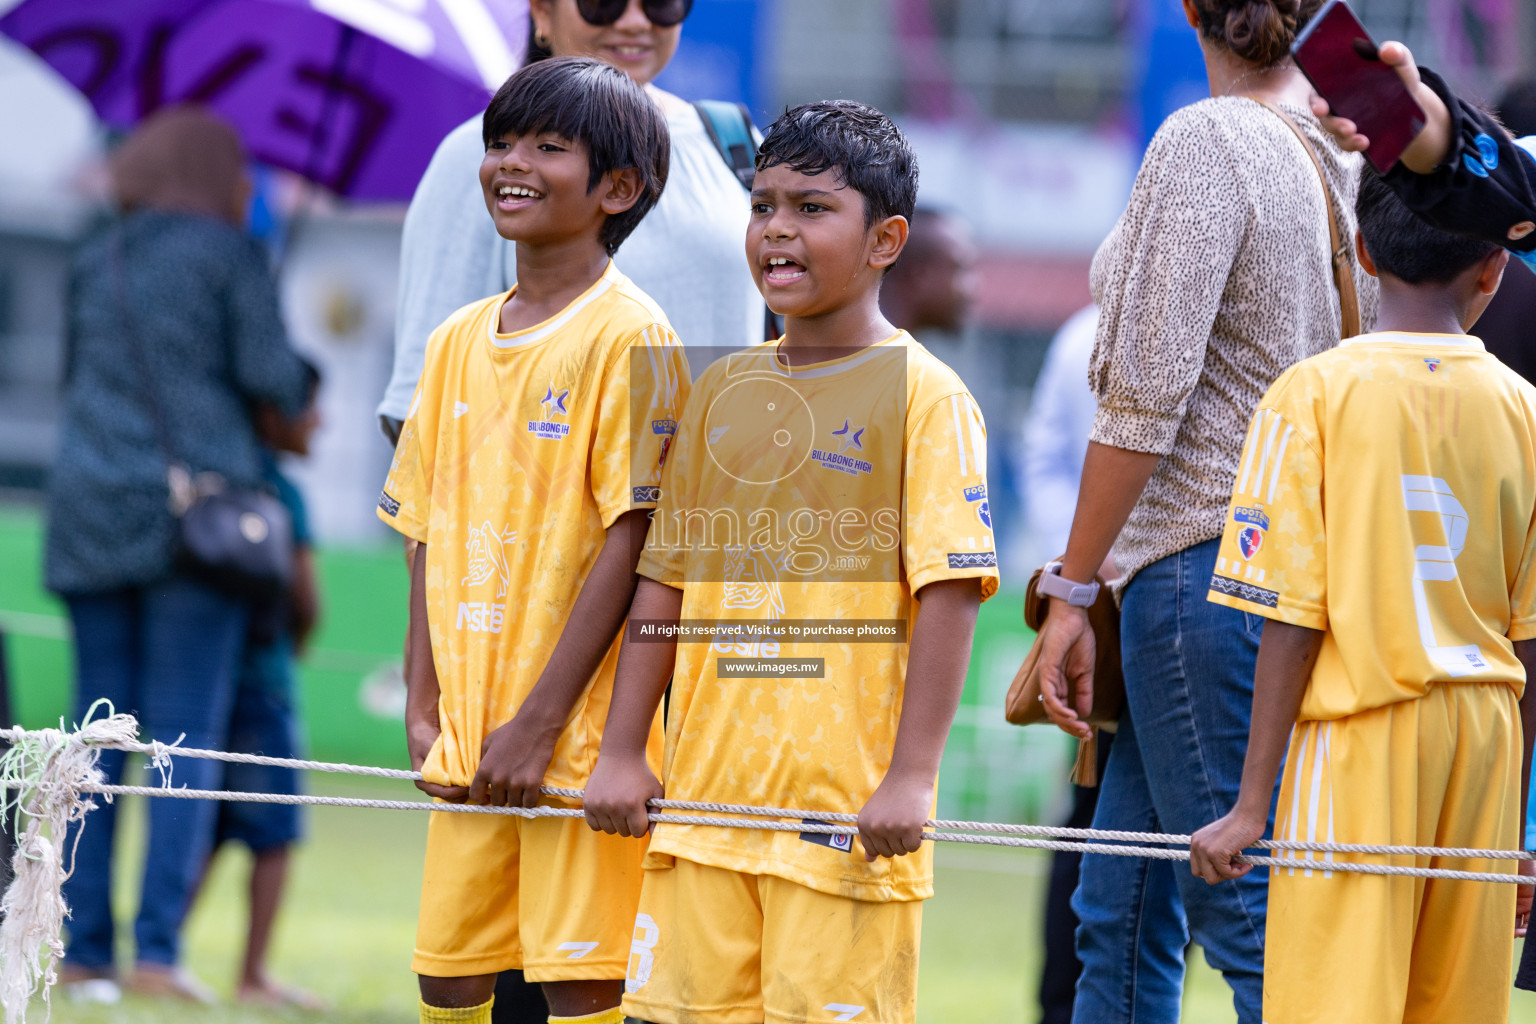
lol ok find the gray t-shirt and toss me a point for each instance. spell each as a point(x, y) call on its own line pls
point(689, 254)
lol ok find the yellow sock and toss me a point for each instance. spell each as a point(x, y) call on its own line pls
point(456, 1015)
point(613, 1016)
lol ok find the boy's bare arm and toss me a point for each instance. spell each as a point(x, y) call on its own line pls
point(1286, 656)
point(891, 823)
point(514, 757)
point(622, 781)
point(422, 726)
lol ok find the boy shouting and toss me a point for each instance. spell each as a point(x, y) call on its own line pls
point(1384, 521)
point(825, 501)
point(525, 470)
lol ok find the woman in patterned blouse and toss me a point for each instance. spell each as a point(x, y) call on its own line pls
point(1216, 279)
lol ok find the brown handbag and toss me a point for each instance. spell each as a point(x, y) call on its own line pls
point(1023, 706)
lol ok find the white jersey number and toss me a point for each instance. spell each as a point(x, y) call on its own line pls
point(1436, 563)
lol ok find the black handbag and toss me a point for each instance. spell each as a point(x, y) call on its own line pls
point(236, 540)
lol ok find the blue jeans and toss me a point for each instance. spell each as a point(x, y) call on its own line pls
point(168, 654)
point(1176, 766)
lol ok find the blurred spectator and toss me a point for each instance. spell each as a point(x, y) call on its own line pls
point(933, 286)
point(1056, 433)
point(265, 719)
point(1505, 327)
point(172, 308)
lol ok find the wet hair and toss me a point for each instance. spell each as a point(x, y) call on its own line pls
point(598, 106)
point(1408, 247)
point(1259, 31)
point(1517, 108)
point(868, 152)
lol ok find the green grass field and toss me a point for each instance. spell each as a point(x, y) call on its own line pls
point(348, 928)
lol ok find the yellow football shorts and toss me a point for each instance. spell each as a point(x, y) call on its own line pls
point(1442, 770)
point(547, 895)
point(714, 946)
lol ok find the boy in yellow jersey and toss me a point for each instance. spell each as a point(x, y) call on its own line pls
point(825, 503)
point(526, 469)
point(1384, 521)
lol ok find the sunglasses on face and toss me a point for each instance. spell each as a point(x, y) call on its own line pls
point(662, 13)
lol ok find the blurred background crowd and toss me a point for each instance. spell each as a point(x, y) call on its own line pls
point(1029, 118)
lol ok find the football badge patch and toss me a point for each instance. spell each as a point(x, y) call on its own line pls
point(1251, 537)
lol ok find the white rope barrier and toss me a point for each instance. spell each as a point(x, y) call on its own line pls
point(49, 776)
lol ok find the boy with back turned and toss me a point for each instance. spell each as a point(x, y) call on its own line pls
point(830, 479)
point(1384, 521)
point(525, 471)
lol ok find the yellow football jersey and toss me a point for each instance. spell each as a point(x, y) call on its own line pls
point(1386, 495)
point(518, 453)
point(801, 510)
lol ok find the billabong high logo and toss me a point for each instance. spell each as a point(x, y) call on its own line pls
point(554, 403)
point(848, 436)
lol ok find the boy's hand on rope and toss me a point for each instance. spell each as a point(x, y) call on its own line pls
point(420, 737)
point(1067, 659)
point(513, 760)
point(891, 824)
point(617, 793)
point(1212, 848)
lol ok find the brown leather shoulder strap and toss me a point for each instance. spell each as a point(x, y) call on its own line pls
point(1343, 273)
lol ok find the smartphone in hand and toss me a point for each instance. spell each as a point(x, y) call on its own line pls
point(1339, 57)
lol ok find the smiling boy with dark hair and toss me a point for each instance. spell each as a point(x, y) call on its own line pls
point(526, 470)
point(841, 475)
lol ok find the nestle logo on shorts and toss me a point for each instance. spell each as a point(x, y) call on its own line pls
point(771, 668)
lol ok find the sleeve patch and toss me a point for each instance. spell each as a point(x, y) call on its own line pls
point(645, 494)
point(389, 505)
point(1244, 591)
point(973, 559)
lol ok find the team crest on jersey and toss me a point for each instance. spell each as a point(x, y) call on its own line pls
point(554, 403)
point(1251, 537)
point(1249, 540)
point(978, 494)
point(1433, 365)
point(848, 436)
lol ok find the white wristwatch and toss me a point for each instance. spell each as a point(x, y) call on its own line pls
point(1078, 595)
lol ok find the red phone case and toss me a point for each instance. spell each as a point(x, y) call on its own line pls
point(1338, 56)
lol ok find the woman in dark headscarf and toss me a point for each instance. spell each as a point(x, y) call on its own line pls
point(173, 314)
